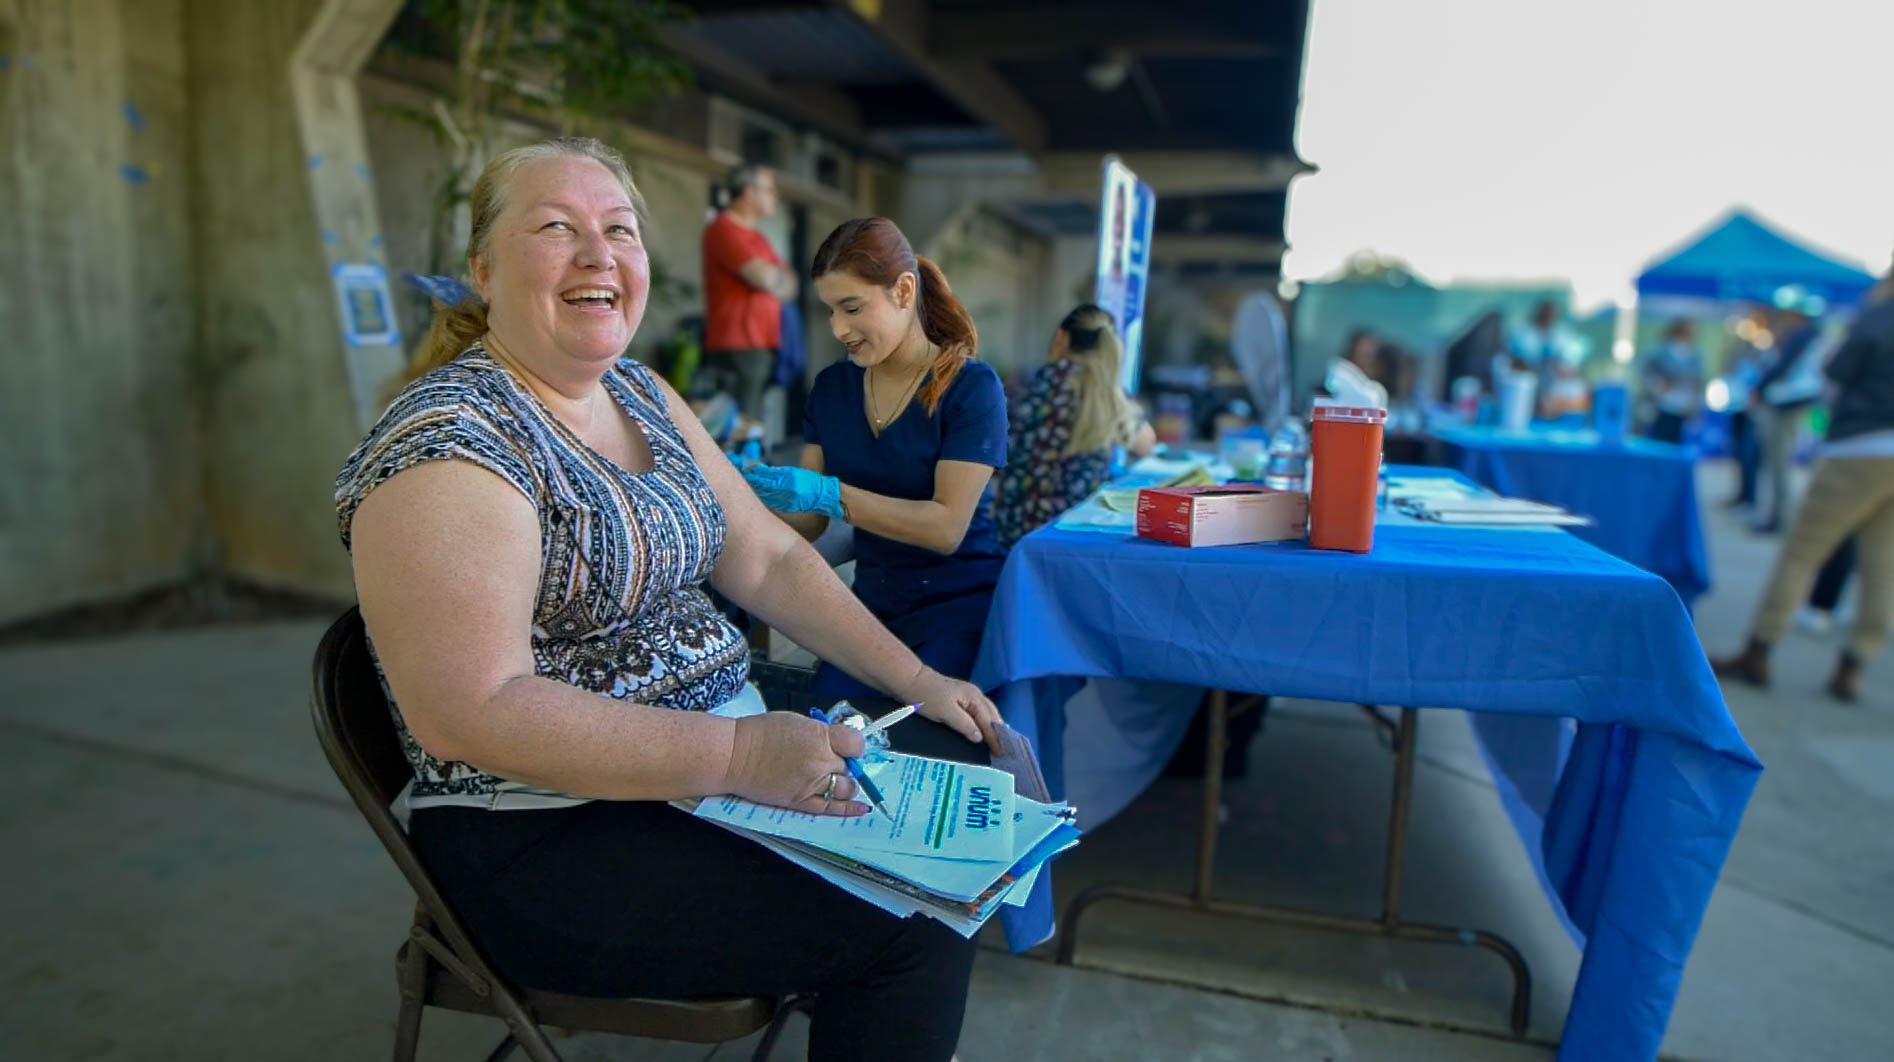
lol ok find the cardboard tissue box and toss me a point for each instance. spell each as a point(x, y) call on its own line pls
point(1228, 515)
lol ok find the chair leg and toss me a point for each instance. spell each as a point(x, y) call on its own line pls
point(503, 1049)
point(770, 1035)
point(533, 1039)
point(413, 991)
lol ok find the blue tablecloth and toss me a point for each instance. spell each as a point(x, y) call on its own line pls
point(1628, 815)
point(1642, 494)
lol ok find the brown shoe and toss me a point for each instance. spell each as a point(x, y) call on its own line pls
point(1751, 665)
point(1845, 685)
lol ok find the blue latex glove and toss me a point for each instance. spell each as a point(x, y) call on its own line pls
point(794, 490)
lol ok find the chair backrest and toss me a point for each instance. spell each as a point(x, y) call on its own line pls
point(357, 730)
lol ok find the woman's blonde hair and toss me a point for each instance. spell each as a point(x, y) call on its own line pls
point(1105, 415)
point(454, 328)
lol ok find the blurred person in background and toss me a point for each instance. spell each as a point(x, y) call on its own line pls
point(1357, 378)
point(745, 286)
point(1549, 350)
point(1790, 382)
point(1067, 419)
point(900, 440)
point(1742, 369)
point(1851, 494)
point(1673, 382)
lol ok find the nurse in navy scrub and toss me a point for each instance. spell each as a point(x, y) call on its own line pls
point(901, 441)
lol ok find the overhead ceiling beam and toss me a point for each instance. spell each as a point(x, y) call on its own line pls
point(1169, 249)
point(817, 106)
point(979, 89)
point(1172, 173)
point(1031, 31)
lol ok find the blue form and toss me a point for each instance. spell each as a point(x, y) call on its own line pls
point(1642, 494)
point(1627, 814)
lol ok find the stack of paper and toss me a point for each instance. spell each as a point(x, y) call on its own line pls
point(1488, 510)
point(957, 842)
point(1114, 507)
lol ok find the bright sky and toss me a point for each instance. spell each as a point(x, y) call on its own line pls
point(1527, 139)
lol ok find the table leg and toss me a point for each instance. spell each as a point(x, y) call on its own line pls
point(1388, 925)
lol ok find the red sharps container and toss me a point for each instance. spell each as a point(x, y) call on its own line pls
point(1345, 445)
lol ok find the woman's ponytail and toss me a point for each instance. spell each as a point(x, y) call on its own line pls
point(453, 330)
point(947, 325)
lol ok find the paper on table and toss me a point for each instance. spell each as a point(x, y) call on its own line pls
point(935, 808)
point(1428, 487)
point(1093, 514)
point(1523, 519)
point(1490, 510)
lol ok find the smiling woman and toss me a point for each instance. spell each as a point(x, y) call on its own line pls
point(531, 523)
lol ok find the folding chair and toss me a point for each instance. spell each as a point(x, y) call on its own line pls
point(439, 965)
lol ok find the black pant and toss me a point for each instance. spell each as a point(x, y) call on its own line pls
point(1668, 427)
point(623, 898)
point(1833, 578)
point(744, 373)
point(1747, 449)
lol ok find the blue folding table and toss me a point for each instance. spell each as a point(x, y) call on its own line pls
point(1612, 749)
point(1641, 494)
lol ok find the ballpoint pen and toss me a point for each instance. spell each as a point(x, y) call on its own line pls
point(856, 772)
point(890, 719)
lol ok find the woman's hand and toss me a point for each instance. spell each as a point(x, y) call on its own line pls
point(794, 762)
point(955, 704)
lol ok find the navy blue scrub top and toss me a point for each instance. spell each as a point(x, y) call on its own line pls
point(918, 593)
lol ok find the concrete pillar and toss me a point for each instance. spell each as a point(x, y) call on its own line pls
point(99, 460)
point(286, 397)
point(322, 75)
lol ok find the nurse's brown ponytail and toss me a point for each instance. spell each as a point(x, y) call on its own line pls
point(948, 326)
point(874, 250)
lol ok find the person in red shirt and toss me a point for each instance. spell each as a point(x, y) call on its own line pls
point(744, 285)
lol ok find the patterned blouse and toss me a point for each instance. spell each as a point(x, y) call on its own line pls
point(620, 610)
point(1040, 480)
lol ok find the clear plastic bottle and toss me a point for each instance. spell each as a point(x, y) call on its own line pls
point(1287, 467)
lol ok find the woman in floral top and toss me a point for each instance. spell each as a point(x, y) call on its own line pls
point(1064, 426)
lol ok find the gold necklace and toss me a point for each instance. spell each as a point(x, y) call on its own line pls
point(874, 407)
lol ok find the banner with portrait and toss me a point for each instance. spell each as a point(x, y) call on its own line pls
point(1126, 214)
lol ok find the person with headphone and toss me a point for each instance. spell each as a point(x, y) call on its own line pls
point(745, 286)
point(900, 440)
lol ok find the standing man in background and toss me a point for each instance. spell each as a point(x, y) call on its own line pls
point(745, 285)
point(1788, 386)
point(1673, 382)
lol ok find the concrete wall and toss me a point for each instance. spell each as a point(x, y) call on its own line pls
point(99, 464)
point(278, 407)
point(998, 271)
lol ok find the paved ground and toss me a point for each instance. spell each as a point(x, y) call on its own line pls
point(195, 886)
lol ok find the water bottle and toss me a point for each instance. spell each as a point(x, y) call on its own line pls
point(1287, 466)
point(752, 449)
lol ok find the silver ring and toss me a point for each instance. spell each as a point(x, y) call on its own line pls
point(829, 793)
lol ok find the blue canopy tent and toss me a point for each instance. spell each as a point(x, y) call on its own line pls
point(1740, 259)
